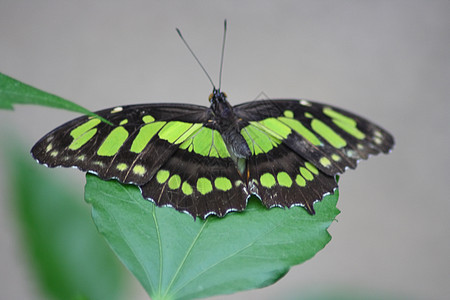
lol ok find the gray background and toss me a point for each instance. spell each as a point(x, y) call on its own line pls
point(386, 60)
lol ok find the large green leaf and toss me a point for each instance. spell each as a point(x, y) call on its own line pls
point(175, 257)
point(13, 91)
point(69, 258)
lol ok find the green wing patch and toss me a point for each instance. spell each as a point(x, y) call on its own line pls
point(260, 139)
point(206, 142)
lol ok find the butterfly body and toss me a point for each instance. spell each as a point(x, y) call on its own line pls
point(210, 160)
point(228, 124)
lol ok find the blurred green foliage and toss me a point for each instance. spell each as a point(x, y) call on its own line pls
point(69, 259)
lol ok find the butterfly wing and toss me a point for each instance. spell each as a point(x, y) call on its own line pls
point(131, 150)
point(199, 185)
point(283, 178)
point(171, 151)
point(329, 137)
point(299, 146)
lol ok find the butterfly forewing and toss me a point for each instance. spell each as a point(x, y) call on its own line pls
point(132, 150)
point(328, 137)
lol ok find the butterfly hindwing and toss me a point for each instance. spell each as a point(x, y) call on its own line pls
point(282, 178)
point(197, 184)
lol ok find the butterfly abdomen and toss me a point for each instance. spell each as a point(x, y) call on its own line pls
point(236, 144)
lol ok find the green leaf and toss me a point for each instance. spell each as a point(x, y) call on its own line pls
point(70, 260)
point(13, 91)
point(175, 257)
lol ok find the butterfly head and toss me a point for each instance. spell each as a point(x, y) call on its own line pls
point(217, 96)
point(219, 103)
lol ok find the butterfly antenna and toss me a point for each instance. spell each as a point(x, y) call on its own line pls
point(223, 52)
point(193, 54)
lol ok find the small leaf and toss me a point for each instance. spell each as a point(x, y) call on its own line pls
point(13, 91)
point(69, 258)
point(175, 257)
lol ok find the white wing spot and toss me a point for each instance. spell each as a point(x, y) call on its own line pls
point(237, 183)
point(81, 157)
point(305, 103)
point(378, 133)
point(116, 109)
point(98, 163)
point(351, 153)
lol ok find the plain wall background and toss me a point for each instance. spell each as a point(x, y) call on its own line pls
point(386, 60)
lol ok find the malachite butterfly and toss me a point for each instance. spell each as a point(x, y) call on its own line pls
point(210, 160)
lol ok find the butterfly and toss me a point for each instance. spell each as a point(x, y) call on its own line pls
point(210, 160)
